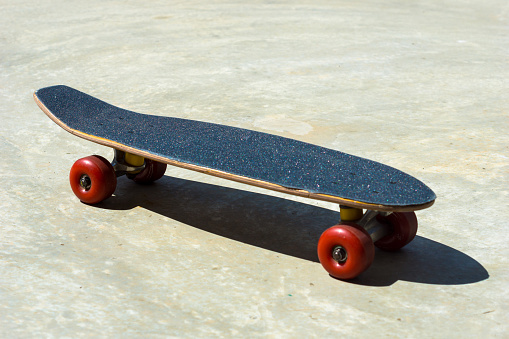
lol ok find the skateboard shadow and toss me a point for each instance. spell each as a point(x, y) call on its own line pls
point(288, 227)
point(423, 261)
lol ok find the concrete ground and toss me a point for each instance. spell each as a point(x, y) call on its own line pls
point(421, 86)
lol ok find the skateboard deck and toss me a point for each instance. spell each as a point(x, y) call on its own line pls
point(242, 155)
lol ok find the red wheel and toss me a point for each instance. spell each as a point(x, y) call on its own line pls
point(93, 179)
point(404, 225)
point(345, 251)
point(153, 171)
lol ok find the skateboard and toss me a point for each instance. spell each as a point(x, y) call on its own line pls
point(377, 202)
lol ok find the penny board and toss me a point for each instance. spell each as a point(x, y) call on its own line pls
point(251, 157)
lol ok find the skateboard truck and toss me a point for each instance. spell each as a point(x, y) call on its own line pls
point(127, 163)
point(368, 221)
point(347, 249)
point(376, 229)
point(94, 178)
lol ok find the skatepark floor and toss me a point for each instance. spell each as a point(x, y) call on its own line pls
point(420, 86)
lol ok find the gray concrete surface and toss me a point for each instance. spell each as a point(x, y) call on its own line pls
point(422, 86)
